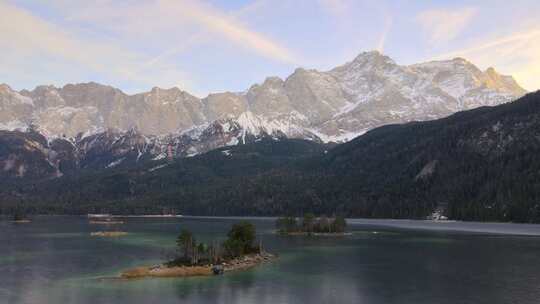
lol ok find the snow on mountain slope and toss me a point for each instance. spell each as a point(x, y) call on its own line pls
point(255, 125)
point(381, 92)
point(247, 128)
point(13, 125)
point(30, 154)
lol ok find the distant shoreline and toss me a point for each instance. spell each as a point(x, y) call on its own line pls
point(150, 216)
point(496, 228)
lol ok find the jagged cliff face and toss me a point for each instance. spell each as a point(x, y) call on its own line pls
point(370, 91)
point(15, 109)
point(90, 108)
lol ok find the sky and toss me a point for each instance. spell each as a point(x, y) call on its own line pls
point(228, 45)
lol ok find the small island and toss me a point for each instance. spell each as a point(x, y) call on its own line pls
point(20, 218)
point(311, 225)
point(103, 219)
point(192, 258)
point(108, 233)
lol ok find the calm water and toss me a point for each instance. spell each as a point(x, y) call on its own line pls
point(54, 260)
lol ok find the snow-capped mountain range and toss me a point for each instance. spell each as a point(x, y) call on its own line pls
point(336, 105)
point(31, 155)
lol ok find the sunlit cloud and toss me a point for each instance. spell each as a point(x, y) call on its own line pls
point(443, 25)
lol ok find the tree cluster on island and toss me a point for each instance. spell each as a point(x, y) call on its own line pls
point(240, 242)
point(310, 224)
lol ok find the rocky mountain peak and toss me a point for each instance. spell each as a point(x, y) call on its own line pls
point(491, 71)
point(172, 90)
point(4, 87)
point(372, 65)
point(373, 57)
point(460, 60)
point(44, 88)
point(273, 80)
point(91, 85)
point(300, 71)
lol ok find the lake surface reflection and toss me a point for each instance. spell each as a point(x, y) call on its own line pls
point(55, 260)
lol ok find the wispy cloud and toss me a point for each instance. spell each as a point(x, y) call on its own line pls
point(184, 18)
point(218, 22)
point(516, 53)
point(125, 42)
point(500, 41)
point(27, 38)
point(27, 33)
point(443, 25)
point(201, 36)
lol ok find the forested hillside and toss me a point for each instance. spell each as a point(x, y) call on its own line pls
point(482, 164)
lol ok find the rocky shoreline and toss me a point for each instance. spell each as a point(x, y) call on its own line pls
point(162, 271)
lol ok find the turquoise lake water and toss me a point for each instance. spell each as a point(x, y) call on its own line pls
point(55, 260)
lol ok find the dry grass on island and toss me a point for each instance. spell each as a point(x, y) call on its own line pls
point(312, 226)
point(164, 271)
point(238, 252)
